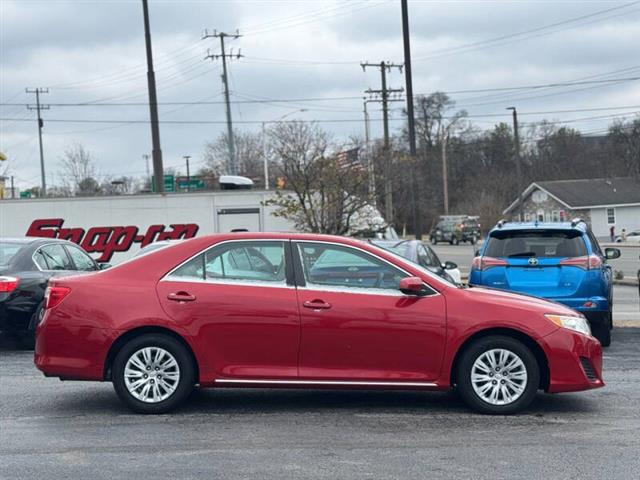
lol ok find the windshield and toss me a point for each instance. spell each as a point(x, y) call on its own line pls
point(8, 251)
point(538, 243)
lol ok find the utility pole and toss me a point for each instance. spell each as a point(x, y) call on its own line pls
point(384, 98)
point(367, 140)
point(13, 190)
point(417, 219)
point(233, 168)
point(444, 138)
point(38, 108)
point(156, 152)
point(516, 150)
point(187, 157)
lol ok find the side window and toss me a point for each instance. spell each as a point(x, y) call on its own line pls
point(55, 257)
point(425, 258)
point(243, 261)
point(594, 243)
point(81, 260)
point(40, 260)
point(333, 265)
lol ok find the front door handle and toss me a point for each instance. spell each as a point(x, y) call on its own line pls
point(181, 297)
point(316, 304)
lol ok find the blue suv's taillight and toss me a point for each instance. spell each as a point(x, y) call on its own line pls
point(591, 262)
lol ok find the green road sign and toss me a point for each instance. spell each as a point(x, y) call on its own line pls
point(169, 183)
point(195, 183)
point(25, 194)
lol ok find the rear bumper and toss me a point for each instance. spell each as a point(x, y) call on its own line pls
point(575, 361)
point(72, 353)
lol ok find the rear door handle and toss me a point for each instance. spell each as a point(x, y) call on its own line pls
point(181, 297)
point(316, 304)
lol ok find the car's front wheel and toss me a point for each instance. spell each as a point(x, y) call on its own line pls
point(498, 375)
point(153, 373)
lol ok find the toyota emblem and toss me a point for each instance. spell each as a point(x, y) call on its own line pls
point(533, 261)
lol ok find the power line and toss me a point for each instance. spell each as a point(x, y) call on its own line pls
point(104, 102)
point(500, 40)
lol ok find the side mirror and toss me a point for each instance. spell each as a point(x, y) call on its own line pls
point(104, 266)
point(411, 285)
point(450, 265)
point(612, 253)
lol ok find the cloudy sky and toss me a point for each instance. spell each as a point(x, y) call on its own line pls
point(300, 60)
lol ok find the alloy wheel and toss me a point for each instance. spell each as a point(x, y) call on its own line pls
point(499, 376)
point(151, 374)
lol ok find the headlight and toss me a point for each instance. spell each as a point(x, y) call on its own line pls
point(577, 324)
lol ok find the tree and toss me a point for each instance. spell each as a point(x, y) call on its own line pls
point(329, 191)
point(624, 139)
point(78, 171)
point(249, 154)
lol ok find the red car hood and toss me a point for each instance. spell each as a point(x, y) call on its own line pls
point(518, 300)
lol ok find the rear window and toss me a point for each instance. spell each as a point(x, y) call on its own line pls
point(7, 251)
point(538, 243)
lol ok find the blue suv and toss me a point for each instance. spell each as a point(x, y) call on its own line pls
point(558, 261)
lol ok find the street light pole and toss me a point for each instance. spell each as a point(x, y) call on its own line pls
point(516, 140)
point(187, 157)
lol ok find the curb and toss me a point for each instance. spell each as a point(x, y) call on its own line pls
point(628, 282)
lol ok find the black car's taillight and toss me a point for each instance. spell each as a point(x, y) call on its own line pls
point(8, 284)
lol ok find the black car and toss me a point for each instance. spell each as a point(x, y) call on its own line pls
point(423, 255)
point(26, 265)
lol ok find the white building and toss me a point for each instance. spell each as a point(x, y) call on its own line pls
point(114, 228)
point(601, 202)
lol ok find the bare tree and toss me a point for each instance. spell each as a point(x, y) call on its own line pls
point(79, 171)
point(624, 139)
point(329, 191)
point(249, 154)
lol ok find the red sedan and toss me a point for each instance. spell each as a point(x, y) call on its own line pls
point(305, 311)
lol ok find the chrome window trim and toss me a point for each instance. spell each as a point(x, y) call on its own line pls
point(255, 283)
point(262, 381)
point(47, 270)
point(239, 283)
point(384, 291)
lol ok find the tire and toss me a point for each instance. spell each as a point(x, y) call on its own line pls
point(522, 382)
point(602, 332)
point(172, 390)
point(433, 241)
point(455, 241)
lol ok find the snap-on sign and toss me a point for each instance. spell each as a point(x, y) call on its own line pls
point(109, 240)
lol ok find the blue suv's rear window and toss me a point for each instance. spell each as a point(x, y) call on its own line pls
point(536, 243)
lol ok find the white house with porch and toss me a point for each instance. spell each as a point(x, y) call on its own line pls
point(601, 202)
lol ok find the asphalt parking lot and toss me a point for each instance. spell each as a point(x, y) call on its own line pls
point(62, 430)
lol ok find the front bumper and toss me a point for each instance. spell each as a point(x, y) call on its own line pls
point(575, 361)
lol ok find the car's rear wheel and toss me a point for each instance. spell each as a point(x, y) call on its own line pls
point(498, 375)
point(153, 373)
point(602, 332)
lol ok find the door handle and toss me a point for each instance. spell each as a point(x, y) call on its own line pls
point(181, 297)
point(316, 304)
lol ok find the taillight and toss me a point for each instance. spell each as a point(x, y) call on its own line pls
point(586, 263)
point(8, 284)
point(54, 295)
point(483, 263)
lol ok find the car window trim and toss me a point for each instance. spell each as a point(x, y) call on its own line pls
point(73, 262)
point(287, 283)
point(302, 284)
point(47, 245)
